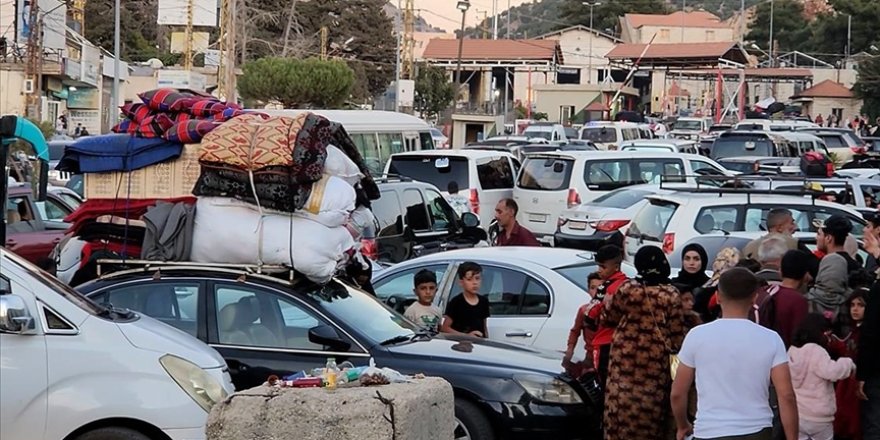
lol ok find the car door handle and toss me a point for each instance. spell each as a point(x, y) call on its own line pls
point(519, 334)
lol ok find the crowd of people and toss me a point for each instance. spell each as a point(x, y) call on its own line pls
point(860, 124)
point(777, 343)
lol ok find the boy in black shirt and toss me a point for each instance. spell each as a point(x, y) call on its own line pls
point(466, 313)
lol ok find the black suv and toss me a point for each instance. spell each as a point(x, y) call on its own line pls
point(414, 219)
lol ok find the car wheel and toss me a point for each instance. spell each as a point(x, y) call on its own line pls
point(113, 433)
point(470, 422)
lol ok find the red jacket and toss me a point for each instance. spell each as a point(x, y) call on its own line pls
point(604, 334)
point(519, 236)
point(579, 329)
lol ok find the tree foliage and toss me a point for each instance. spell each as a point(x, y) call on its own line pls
point(789, 30)
point(868, 86)
point(308, 83)
point(434, 91)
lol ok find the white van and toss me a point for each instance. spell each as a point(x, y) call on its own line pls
point(377, 134)
point(550, 183)
point(72, 369)
point(609, 135)
point(483, 176)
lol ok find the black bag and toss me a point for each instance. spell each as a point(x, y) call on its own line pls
point(815, 164)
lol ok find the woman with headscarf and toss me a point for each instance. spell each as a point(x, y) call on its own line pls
point(705, 302)
point(647, 316)
point(694, 262)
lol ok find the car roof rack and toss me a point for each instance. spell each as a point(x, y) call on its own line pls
point(392, 178)
point(107, 268)
point(742, 184)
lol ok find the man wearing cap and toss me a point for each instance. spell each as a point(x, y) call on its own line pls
point(779, 221)
point(828, 294)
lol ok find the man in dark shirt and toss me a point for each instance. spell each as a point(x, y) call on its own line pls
point(782, 307)
point(467, 313)
point(511, 233)
point(868, 366)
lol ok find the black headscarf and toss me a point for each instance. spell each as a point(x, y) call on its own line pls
point(652, 266)
point(693, 280)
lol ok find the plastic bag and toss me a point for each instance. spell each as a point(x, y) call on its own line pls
point(381, 376)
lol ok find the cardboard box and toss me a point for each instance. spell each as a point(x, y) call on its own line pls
point(161, 181)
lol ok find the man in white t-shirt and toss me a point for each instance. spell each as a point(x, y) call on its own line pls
point(734, 361)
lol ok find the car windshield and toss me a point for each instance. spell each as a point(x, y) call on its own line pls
point(651, 221)
point(599, 135)
point(56, 286)
point(545, 173)
point(577, 273)
point(362, 312)
point(544, 132)
point(621, 198)
point(736, 146)
point(436, 170)
point(687, 125)
point(742, 167)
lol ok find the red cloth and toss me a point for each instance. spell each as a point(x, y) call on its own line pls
point(579, 329)
point(519, 236)
point(791, 308)
point(847, 420)
point(126, 208)
point(604, 334)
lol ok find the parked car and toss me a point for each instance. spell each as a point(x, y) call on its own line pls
point(441, 142)
point(754, 164)
point(843, 142)
point(550, 183)
point(414, 219)
point(553, 133)
point(533, 293)
point(690, 128)
point(28, 234)
point(73, 369)
point(485, 177)
point(661, 145)
point(668, 221)
point(609, 135)
point(752, 144)
point(264, 325)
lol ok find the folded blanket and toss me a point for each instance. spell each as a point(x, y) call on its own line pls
point(273, 187)
point(116, 152)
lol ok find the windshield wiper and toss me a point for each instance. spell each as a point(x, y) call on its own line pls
point(397, 340)
point(422, 335)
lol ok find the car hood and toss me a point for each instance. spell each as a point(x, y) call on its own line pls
point(149, 334)
point(462, 352)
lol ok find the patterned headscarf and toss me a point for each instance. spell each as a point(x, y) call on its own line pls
point(726, 259)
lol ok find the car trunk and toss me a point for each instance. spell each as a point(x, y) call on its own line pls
point(649, 227)
point(543, 191)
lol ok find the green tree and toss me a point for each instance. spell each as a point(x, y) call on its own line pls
point(868, 86)
point(434, 91)
point(789, 27)
point(830, 30)
point(309, 83)
point(606, 16)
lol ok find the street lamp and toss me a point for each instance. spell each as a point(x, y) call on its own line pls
point(592, 34)
point(463, 6)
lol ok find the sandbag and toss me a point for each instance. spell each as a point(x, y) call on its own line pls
point(330, 202)
point(248, 238)
point(340, 165)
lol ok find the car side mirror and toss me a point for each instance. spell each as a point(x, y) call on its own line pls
point(470, 220)
point(15, 316)
point(328, 336)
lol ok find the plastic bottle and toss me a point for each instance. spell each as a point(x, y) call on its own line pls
point(331, 372)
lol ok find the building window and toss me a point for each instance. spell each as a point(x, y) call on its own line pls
point(710, 36)
point(664, 34)
point(565, 113)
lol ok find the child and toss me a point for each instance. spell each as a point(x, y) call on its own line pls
point(608, 259)
point(847, 422)
point(691, 318)
point(813, 373)
point(424, 312)
point(466, 314)
point(594, 281)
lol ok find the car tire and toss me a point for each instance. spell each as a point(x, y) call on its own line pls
point(471, 422)
point(113, 433)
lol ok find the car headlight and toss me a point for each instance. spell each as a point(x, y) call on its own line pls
point(203, 388)
point(548, 389)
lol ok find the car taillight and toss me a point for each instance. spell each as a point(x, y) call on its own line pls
point(859, 150)
point(474, 199)
point(574, 199)
point(370, 249)
point(668, 243)
point(610, 225)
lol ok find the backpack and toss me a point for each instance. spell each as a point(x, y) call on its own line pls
point(815, 164)
point(766, 313)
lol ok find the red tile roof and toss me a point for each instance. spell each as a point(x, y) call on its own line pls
point(596, 106)
point(826, 89)
point(474, 49)
point(671, 50)
point(678, 19)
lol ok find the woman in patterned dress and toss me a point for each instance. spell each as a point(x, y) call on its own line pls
point(647, 314)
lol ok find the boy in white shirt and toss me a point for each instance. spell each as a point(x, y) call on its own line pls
point(734, 361)
point(423, 312)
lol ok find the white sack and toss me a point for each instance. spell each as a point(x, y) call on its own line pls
point(330, 203)
point(69, 257)
point(233, 232)
point(360, 220)
point(339, 165)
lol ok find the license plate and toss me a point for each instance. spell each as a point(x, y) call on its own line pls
point(577, 226)
point(538, 218)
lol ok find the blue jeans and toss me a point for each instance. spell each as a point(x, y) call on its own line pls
point(871, 410)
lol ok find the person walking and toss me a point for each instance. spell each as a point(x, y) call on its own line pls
point(830, 289)
point(734, 362)
point(649, 327)
point(512, 233)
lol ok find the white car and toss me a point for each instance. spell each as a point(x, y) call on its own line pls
point(661, 145)
point(533, 293)
point(609, 135)
point(550, 183)
point(669, 221)
point(441, 142)
point(72, 369)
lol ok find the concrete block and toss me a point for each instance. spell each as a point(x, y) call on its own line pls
point(420, 410)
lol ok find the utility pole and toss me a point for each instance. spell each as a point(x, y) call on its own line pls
point(188, 51)
point(409, 43)
point(772, 46)
point(325, 36)
point(494, 19)
point(592, 35)
point(34, 64)
point(398, 31)
point(463, 6)
point(226, 70)
point(117, 53)
point(848, 38)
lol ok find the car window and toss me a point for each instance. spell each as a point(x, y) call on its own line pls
point(401, 284)
point(756, 218)
point(650, 222)
point(833, 141)
point(436, 170)
point(369, 148)
point(387, 212)
point(716, 218)
point(608, 174)
point(823, 213)
point(253, 317)
point(546, 173)
point(738, 146)
point(698, 165)
point(621, 199)
point(577, 273)
point(55, 211)
point(442, 215)
point(173, 302)
point(416, 211)
point(600, 135)
point(390, 143)
point(513, 293)
point(71, 201)
point(495, 174)
point(427, 140)
point(649, 171)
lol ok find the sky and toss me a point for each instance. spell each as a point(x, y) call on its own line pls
point(445, 15)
